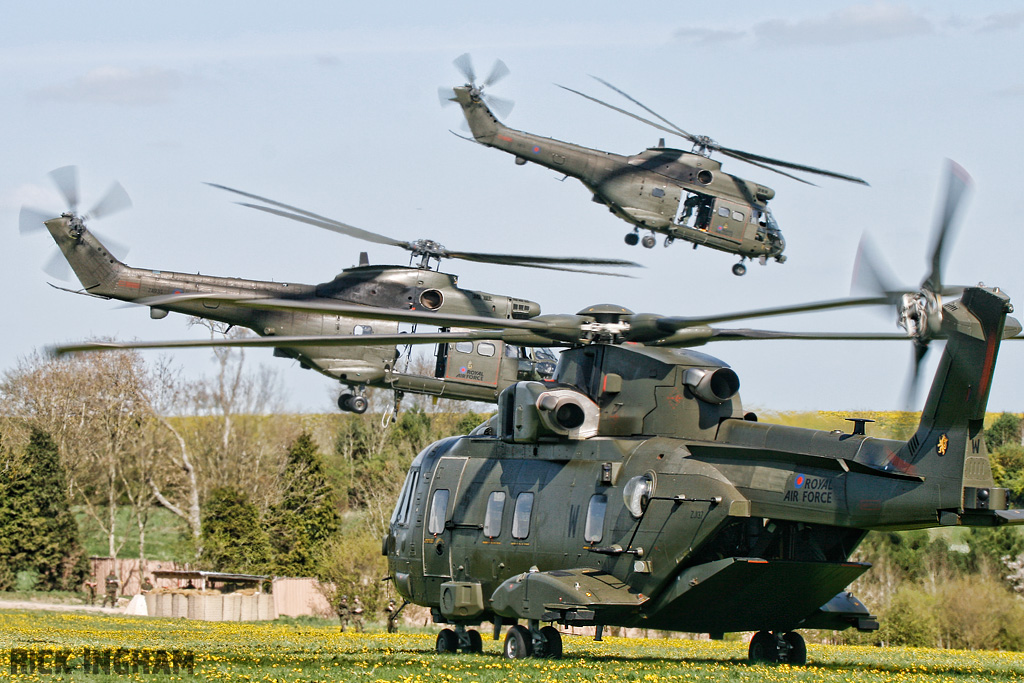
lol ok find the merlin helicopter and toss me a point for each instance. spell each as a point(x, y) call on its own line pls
point(463, 370)
point(680, 194)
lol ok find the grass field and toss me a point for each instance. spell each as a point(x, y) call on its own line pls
point(301, 652)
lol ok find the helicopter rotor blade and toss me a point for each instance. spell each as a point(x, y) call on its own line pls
point(57, 266)
point(66, 180)
point(32, 220)
point(678, 322)
point(499, 105)
point(464, 63)
point(920, 350)
point(519, 259)
point(678, 130)
point(768, 168)
point(281, 341)
point(747, 156)
point(446, 96)
point(870, 274)
point(303, 216)
point(958, 181)
point(116, 199)
point(498, 72)
point(630, 114)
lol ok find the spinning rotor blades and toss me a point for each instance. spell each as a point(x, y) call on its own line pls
point(428, 249)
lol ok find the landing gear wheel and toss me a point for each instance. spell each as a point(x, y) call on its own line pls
point(476, 643)
point(669, 240)
point(763, 647)
point(552, 643)
point(648, 241)
point(797, 655)
point(739, 269)
point(358, 404)
point(518, 643)
point(632, 238)
point(344, 402)
point(447, 642)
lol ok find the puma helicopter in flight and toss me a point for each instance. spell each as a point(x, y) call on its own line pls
point(632, 488)
point(361, 352)
point(680, 194)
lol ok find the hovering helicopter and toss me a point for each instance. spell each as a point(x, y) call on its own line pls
point(682, 195)
point(362, 352)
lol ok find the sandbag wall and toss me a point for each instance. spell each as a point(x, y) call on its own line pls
point(212, 606)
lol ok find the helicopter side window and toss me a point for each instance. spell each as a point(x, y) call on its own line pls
point(485, 349)
point(594, 530)
point(738, 216)
point(723, 211)
point(464, 346)
point(438, 512)
point(401, 513)
point(495, 510)
point(521, 516)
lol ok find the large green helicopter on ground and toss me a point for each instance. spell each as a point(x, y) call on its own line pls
point(680, 194)
point(633, 489)
point(464, 369)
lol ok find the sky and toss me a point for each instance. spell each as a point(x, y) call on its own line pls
point(333, 107)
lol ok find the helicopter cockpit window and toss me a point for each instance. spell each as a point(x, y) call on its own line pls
point(594, 531)
point(438, 512)
point(541, 353)
point(401, 513)
point(464, 346)
point(513, 351)
point(362, 329)
point(495, 510)
point(521, 515)
point(485, 349)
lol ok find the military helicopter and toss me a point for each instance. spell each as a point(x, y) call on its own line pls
point(680, 194)
point(463, 370)
point(633, 489)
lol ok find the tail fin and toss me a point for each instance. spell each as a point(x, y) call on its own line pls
point(482, 122)
point(948, 448)
point(96, 268)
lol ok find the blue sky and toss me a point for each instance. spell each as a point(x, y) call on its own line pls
point(333, 107)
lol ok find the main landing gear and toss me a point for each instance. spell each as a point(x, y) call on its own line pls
point(769, 646)
point(632, 238)
point(522, 642)
point(739, 269)
point(353, 403)
point(459, 639)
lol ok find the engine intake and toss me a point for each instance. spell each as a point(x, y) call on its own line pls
point(713, 386)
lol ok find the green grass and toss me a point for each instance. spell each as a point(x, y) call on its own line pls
point(301, 652)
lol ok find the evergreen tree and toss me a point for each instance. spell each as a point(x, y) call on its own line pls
point(306, 517)
point(234, 539)
point(37, 529)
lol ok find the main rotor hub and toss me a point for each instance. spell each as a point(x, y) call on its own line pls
point(608, 325)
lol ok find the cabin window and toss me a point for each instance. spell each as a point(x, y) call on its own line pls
point(438, 512)
point(362, 329)
point(485, 349)
point(658, 192)
point(723, 211)
point(512, 351)
point(464, 346)
point(521, 516)
point(495, 509)
point(737, 216)
point(401, 513)
point(594, 530)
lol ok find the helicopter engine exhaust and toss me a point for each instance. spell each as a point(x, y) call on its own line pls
point(712, 386)
point(568, 413)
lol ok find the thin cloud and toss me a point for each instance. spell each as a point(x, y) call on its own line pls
point(879, 21)
point(1006, 21)
point(706, 37)
point(144, 86)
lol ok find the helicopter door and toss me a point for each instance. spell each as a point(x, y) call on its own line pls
point(437, 530)
point(474, 362)
point(729, 219)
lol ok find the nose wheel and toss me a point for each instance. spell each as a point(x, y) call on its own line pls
point(769, 646)
point(739, 269)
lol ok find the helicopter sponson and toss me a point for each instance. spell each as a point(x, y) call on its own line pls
point(633, 490)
